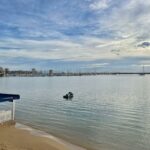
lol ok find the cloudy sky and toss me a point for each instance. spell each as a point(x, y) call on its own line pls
point(98, 35)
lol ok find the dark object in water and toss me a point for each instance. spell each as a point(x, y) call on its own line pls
point(68, 96)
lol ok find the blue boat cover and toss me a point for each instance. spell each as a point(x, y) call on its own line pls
point(8, 97)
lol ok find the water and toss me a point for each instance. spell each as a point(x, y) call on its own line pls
point(107, 112)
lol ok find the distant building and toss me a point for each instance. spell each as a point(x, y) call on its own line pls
point(50, 73)
point(1, 72)
point(6, 71)
point(34, 72)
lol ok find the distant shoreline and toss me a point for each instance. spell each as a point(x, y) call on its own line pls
point(82, 74)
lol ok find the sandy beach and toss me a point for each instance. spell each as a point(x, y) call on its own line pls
point(12, 138)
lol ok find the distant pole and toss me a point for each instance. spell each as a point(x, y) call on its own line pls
point(13, 110)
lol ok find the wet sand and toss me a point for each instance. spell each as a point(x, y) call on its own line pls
point(12, 138)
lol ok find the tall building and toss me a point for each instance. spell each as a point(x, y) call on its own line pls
point(1, 72)
point(6, 71)
point(34, 72)
point(50, 73)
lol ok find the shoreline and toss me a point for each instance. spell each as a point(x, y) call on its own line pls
point(39, 133)
point(22, 137)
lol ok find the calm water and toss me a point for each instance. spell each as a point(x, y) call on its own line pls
point(107, 112)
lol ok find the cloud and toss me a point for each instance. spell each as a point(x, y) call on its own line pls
point(144, 44)
point(100, 5)
point(52, 49)
point(127, 22)
point(95, 65)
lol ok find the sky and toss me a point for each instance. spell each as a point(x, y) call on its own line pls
point(75, 35)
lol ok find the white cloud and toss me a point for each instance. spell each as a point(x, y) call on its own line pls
point(85, 49)
point(100, 5)
point(96, 65)
point(126, 26)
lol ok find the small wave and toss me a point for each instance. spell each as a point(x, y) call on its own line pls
point(36, 132)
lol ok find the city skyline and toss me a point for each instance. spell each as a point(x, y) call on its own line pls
point(101, 35)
